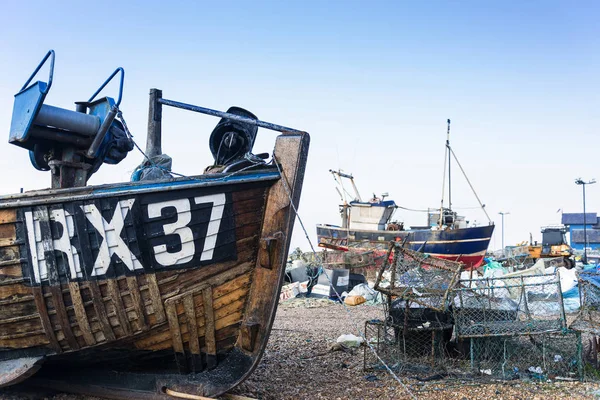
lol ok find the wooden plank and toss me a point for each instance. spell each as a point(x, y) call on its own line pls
point(209, 328)
point(81, 314)
point(19, 318)
point(18, 299)
point(174, 327)
point(224, 317)
point(31, 339)
point(225, 277)
point(40, 303)
point(157, 303)
point(190, 313)
point(13, 291)
point(196, 280)
point(8, 215)
point(63, 318)
point(12, 281)
point(20, 335)
point(193, 337)
point(163, 341)
point(8, 231)
point(223, 300)
point(9, 253)
point(11, 271)
point(176, 339)
point(230, 286)
point(230, 298)
point(115, 296)
point(8, 242)
point(136, 298)
point(99, 307)
point(11, 310)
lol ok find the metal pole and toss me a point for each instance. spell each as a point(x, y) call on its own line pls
point(502, 232)
point(449, 174)
point(153, 140)
point(584, 229)
point(215, 113)
point(581, 182)
point(503, 213)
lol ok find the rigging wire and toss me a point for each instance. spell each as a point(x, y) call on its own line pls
point(471, 186)
point(361, 333)
point(433, 209)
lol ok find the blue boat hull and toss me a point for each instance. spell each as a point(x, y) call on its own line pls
point(467, 245)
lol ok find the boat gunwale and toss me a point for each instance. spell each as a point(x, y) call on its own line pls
point(51, 196)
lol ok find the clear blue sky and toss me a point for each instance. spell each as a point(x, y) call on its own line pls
point(373, 82)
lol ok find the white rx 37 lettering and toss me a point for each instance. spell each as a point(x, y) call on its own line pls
point(110, 231)
point(183, 231)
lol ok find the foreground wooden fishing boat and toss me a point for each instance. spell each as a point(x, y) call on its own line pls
point(152, 289)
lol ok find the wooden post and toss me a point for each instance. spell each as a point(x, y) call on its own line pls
point(153, 141)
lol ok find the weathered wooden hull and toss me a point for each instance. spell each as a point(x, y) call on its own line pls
point(174, 285)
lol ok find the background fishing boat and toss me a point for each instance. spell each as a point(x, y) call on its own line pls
point(367, 228)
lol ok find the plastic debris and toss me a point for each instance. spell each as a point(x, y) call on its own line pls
point(350, 340)
point(535, 370)
point(557, 358)
point(289, 291)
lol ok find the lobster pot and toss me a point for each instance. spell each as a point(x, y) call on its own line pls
point(535, 357)
point(520, 305)
point(417, 349)
point(588, 318)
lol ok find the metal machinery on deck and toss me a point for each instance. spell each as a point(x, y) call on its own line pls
point(72, 144)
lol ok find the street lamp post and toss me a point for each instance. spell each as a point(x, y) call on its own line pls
point(581, 182)
point(503, 214)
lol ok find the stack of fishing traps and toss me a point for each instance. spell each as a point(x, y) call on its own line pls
point(494, 328)
point(418, 326)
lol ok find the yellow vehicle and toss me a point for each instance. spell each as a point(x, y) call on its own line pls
point(554, 244)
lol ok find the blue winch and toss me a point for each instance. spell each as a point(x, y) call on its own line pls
point(72, 144)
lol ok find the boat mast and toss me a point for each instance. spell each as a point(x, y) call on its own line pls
point(446, 157)
point(449, 173)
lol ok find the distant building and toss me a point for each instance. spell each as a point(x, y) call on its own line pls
point(574, 221)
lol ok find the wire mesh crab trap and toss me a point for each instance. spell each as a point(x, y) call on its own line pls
point(541, 357)
point(588, 318)
point(508, 306)
point(417, 349)
point(417, 277)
